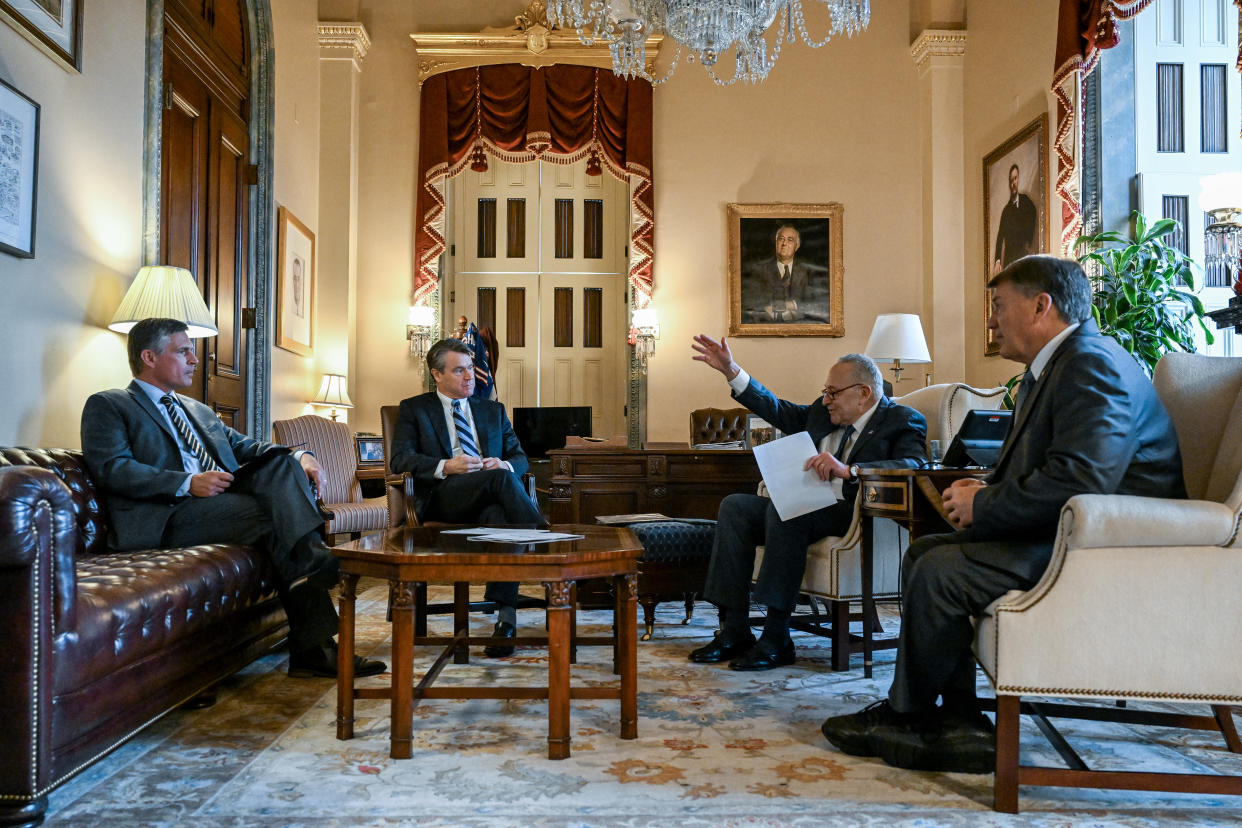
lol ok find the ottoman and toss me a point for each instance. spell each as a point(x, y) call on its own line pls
point(673, 566)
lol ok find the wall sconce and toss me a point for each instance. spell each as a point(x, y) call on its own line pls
point(1220, 196)
point(333, 394)
point(162, 291)
point(420, 329)
point(644, 331)
point(898, 336)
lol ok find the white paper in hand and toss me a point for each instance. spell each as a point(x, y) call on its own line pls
point(794, 490)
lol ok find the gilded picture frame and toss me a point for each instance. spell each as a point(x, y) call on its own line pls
point(19, 172)
point(295, 285)
point(54, 26)
point(1015, 212)
point(765, 298)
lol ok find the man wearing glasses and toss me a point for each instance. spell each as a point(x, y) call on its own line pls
point(853, 424)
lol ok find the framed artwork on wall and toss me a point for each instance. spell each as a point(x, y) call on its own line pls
point(1015, 204)
point(295, 284)
point(785, 270)
point(55, 26)
point(19, 171)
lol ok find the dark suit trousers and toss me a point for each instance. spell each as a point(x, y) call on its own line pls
point(746, 521)
point(490, 496)
point(275, 513)
point(943, 588)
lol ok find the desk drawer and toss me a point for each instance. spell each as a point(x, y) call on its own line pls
point(885, 496)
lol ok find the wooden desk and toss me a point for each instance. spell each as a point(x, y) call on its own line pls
point(407, 556)
point(676, 482)
point(912, 498)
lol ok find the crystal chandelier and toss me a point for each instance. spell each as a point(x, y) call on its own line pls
point(707, 29)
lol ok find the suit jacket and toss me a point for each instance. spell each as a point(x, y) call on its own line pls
point(768, 274)
point(895, 436)
point(1015, 237)
point(421, 440)
point(1092, 424)
point(133, 455)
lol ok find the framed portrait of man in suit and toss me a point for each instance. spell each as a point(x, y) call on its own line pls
point(295, 285)
point(1015, 204)
point(785, 270)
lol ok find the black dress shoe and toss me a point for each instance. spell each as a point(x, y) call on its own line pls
point(952, 744)
point(320, 662)
point(503, 630)
point(856, 734)
point(765, 655)
point(722, 648)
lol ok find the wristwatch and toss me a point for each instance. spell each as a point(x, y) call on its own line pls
point(854, 472)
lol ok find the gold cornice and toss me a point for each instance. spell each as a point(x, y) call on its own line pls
point(937, 43)
point(529, 42)
point(352, 36)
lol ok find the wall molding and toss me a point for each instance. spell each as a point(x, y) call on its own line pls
point(350, 37)
point(937, 43)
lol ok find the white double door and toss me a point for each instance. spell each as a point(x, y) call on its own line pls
point(559, 319)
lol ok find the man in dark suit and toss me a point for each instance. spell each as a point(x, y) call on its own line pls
point(466, 461)
point(853, 424)
point(166, 465)
point(1019, 225)
point(1088, 421)
point(779, 284)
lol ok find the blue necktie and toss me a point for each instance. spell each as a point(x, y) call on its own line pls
point(464, 435)
point(845, 438)
point(205, 460)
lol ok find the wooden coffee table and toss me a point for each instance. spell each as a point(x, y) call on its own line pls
point(407, 556)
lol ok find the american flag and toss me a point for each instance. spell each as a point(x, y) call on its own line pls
point(482, 368)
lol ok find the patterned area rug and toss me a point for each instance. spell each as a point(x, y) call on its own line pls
point(714, 748)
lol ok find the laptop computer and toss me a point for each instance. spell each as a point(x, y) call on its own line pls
point(978, 442)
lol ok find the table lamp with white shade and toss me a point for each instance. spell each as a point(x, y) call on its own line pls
point(333, 394)
point(897, 338)
point(164, 292)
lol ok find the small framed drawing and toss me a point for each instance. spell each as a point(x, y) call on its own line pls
point(785, 270)
point(370, 450)
point(19, 171)
point(758, 431)
point(55, 26)
point(295, 285)
point(1015, 205)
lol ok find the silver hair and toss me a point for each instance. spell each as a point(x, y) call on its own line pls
point(866, 372)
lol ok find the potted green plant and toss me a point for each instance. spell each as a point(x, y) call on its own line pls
point(1144, 290)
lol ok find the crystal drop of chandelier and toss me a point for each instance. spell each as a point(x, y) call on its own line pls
point(706, 29)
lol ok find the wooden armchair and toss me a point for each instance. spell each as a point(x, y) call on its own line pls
point(1139, 602)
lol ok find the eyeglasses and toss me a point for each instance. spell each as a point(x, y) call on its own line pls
point(831, 394)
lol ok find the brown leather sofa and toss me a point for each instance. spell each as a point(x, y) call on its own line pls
point(99, 644)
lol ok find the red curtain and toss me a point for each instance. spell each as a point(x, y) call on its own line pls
point(1084, 28)
point(559, 114)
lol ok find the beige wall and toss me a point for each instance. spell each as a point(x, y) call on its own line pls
point(55, 349)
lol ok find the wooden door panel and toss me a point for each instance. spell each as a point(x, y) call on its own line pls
point(184, 163)
point(228, 273)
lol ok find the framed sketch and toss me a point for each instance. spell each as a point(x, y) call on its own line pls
point(1015, 204)
point(295, 285)
point(370, 449)
point(19, 171)
point(785, 270)
point(55, 26)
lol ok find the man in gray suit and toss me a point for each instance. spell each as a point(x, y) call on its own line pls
point(171, 474)
point(1088, 421)
point(776, 287)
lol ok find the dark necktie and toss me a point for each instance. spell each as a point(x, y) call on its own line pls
point(464, 436)
point(1024, 392)
point(787, 282)
point(205, 461)
point(845, 439)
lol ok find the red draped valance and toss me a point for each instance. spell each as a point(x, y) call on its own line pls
point(559, 114)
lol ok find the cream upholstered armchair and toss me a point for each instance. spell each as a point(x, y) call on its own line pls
point(333, 446)
point(1140, 601)
point(833, 575)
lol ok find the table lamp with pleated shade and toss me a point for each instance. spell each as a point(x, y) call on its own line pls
point(164, 292)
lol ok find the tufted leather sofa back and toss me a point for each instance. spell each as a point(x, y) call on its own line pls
point(717, 425)
point(88, 507)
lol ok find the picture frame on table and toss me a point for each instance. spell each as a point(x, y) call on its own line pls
point(19, 171)
point(759, 431)
point(295, 284)
point(1015, 205)
point(785, 269)
point(53, 26)
point(370, 448)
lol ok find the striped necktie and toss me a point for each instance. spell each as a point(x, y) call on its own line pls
point(464, 435)
point(196, 447)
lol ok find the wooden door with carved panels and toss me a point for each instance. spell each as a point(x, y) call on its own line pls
point(538, 252)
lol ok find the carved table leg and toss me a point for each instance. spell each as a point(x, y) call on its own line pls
point(627, 655)
point(559, 610)
point(402, 671)
point(345, 659)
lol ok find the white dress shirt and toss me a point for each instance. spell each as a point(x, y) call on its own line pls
point(446, 403)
